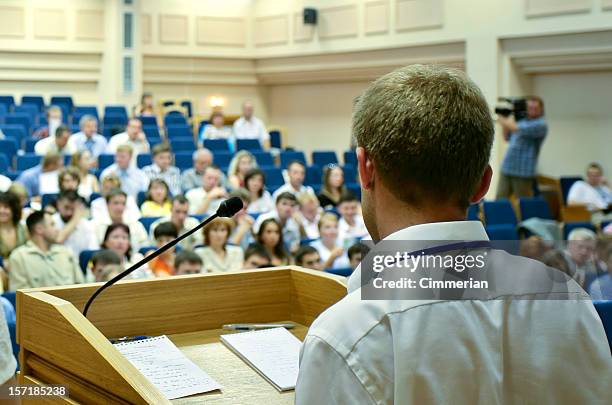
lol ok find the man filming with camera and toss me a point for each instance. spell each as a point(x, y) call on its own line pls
point(525, 138)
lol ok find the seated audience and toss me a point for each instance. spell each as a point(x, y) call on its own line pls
point(595, 193)
point(54, 120)
point(260, 199)
point(356, 254)
point(217, 255)
point(88, 138)
point(309, 215)
point(187, 262)
point(351, 227)
point(57, 143)
point(162, 168)
point(99, 209)
point(534, 247)
point(117, 238)
point(158, 202)
point(308, 257)
point(256, 257)
point(133, 180)
point(179, 216)
point(207, 198)
point(101, 260)
point(41, 262)
point(296, 172)
point(250, 127)
point(192, 178)
point(243, 222)
point(42, 178)
point(163, 265)
point(556, 259)
point(580, 256)
point(12, 231)
point(270, 236)
point(240, 165)
point(68, 179)
point(5, 183)
point(333, 187)
point(146, 108)
point(84, 163)
point(285, 215)
point(601, 287)
point(75, 231)
point(132, 136)
point(216, 129)
point(333, 255)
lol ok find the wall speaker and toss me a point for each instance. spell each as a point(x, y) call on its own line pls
point(310, 16)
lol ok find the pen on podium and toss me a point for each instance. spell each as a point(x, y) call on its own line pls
point(254, 326)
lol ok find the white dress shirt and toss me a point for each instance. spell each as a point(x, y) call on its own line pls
point(288, 188)
point(595, 198)
point(349, 234)
point(341, 261)
point(99, 210)
point(48, 144)
point(196, 196)
point(139, 146)
point(251, 129)
point(82, 238)
point(507, 350)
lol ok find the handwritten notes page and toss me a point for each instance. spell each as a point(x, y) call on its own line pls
point(166, 367)
point(273, 353)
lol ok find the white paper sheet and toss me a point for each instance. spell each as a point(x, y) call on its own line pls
point(274, 353)
point(166, 367)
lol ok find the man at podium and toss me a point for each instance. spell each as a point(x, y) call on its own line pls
point(424, 137)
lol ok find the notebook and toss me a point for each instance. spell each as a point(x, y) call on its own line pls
point(166, 367)
point(274, 353)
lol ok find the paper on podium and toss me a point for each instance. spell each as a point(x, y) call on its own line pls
point(166, 367)
point(274, 353)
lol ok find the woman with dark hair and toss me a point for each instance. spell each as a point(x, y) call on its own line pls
point(270, 236)
point(260, 199)
point(217, 255)
point(333, 186)
point(158, 202)
point(12, 232)
point(117, 239)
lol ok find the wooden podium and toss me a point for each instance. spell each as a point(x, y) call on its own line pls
point(60, 346)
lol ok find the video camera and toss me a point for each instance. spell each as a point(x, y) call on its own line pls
point(506, 106)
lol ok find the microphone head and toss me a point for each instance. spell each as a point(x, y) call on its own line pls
point(230, 207)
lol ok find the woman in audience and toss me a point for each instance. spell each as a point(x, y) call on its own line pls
point(20, 191)
point(218, 256)
point(69, 179)
point(260, 199)
point(146, 108)
point(12, 232)
point(157, 200)
point(117, 239)
point(332, 255)
point(333, 186)
point(241, 164)
point(270, 236)
point(84, 163)
point(216, 128)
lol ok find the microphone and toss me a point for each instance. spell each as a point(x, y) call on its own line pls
point(227, 209)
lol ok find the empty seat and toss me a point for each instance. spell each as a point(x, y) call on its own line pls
point(182, 144)
point(263, 158)
point(324, 157)
point(115, 110)
point(9, 148)
point(178, 131)
point(151, 131)
point(313, 176)
point(248, 144)
point(143, 160)
point(148, 120)
point(502, 232)
point(174, 119)
point(566, 182)
point(63, 100)
point(568, 227)
point(8, 101)
point(29, 144)
point(27, 161)
point(535, 207)
point(288, 156)
point(39, 101)
point(222, 159)
point(499, 212)
point(183, 160)
point(276, 139)
point(31, 109)
point(350, 158)
point(23, 119)
point(274, 176)
point(215, 145)
point(16, 132)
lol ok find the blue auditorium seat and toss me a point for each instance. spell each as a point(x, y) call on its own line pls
point(4, 162)
point(568, 227)
point(146, 249)
point(46, 199)
point(148, 120)
point(345, 272)
point(115, 110)
point(472, 214)
point(566, 182)
point(9, 101)
point(535, 207)
point(140, 197)
point(39, 101)
point(3, 112)
point(276, 140)
point(85, 257)
point(105, 160)
point(188, 106)
point(143, 159)
point(323, 158)
point(263, 158)
point(289, 156)
point(17, 132)
point(147, 222)
point(350, 157)
point(502, 232)
point(63, 100)
point(183, 160)
point(115, 120)
point(23, 119)
point(274, 176)
point(9, 147)
point(350, 174)
point(174, 118)
point(353, 188)
point(222, 159)
point(604, 309)
point(154, 140)
point(248, 144)
point(313, 176)
point(27, 161)
point(81, 110)
point(30, 109)
point(215, 145)
point(499, 212)
point(151, 131)
point(182, 144)
point(178, 131)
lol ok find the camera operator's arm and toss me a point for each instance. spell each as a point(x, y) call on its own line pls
point(508, 124)
point(535, 129)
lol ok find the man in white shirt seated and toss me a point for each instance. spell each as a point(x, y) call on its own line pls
point(535, 339)
point(595, 193)
point(351, 227)
point(133, 180)
point(98, 208)
point(88, 138)
point(179, 216)
point(132, 136)
point(296, 171)
point(57, 143)
point(206, 199)
point(162, 168)
point(250, 127)
point(75, 231)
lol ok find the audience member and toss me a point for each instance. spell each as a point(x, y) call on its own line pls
point(351, 227)
point(163, 265)
point(309, 215)
point(333, 187)
point(5, 183)
point(217, 255)
point(525, 139)
point(12, 232)
point(260, 200)
point(601, 287)
point(240, 165)
point(68, 179)
point(88, 138)
point(57, 143)
point(41, 262)
point(182, 221)
point(595, 193)
point(243, 222)
point(42, 178)
point(75, 232)
point(216, 128)
point(99, 209)
point(207, 198)
point(580, 255)
point(84, 162)
point(534, 247)
point(162, 168)
point(556, 259)
point(250, 127)
point(356, 253)
point(296, 172)
point(256, 257)
point(54, 120)
point(132, 136)
point(101, 260)
point(133, 180)
point(117, 238)
point(109, 272)
point(187, 262)
point(158, 202)
point(308, 257)
point(192, 178)
point(146, 107)
point(333, 255)
point(20, 191)
point(285, 215)
point(270, 236)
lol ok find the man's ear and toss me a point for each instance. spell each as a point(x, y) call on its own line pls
point(482, 189)
point(365, 167)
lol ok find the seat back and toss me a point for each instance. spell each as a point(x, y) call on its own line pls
point(499, 212)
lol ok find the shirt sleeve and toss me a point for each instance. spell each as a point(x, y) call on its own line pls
point(8, 364)
point(535, 129)
point(18, 277)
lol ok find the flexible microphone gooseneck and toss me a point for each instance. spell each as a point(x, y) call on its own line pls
point(227, 209)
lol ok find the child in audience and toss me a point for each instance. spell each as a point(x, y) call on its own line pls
point(308, 257)
point(218, 256)
point(270, 236)
point(117, 239)
point(309, 215)
point(157, 200)
point(187, 262)
point(351, 227)
point(333, 186)
point(163, 265)
point(260, 199)
point(102, 259)
point(333, 255)
point(256, 257)
point(84, 162)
